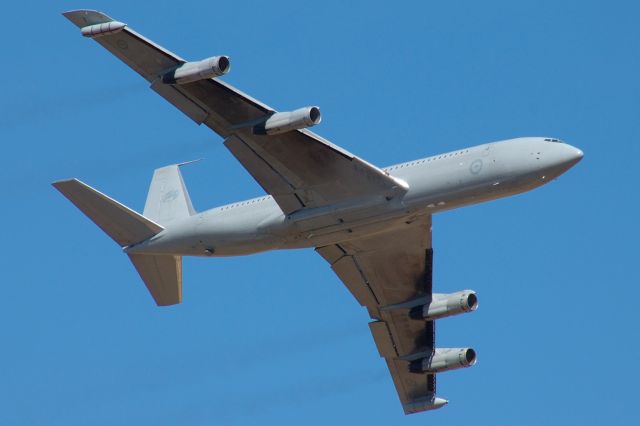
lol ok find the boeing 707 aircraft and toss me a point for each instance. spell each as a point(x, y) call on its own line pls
point(371, 224)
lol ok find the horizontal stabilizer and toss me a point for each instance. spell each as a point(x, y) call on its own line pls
point(122, 224)
point(162, 274)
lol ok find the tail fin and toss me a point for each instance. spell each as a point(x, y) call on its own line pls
point(162, 274)
point(168, 198)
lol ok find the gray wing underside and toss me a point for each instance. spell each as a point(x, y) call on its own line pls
point(298, 168)
point(386, 269)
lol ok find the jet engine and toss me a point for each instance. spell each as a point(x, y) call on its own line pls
point(282, 122)
point(446, 305)
point(199, 70)
point(444, 359)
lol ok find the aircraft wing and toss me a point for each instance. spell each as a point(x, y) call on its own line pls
point(298, 168)
point(389, 269)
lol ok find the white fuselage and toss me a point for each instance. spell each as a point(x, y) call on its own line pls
point(442, 182)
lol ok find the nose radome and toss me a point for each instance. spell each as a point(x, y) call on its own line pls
point(567, 155)
point(575, 154)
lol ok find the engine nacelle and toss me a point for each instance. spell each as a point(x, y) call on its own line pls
point(446, 305)
point(444, 359)
point(282, 122)
point(200, 70)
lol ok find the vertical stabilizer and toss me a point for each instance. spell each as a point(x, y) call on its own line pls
point(168, 199)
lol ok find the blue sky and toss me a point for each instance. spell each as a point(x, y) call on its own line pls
point(275, 338)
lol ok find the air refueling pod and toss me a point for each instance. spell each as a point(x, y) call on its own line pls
point(424, 404)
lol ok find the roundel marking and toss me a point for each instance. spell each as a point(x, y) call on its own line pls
point(475, 167)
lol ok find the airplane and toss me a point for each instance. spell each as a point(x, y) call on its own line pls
point(371, 224)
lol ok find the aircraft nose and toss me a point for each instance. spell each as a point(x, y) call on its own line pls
point(573, 155)
point(564, 156)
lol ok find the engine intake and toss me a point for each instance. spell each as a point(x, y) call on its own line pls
point(200, 70)
point(282, 122)
point(446, 305)
point(444, 359)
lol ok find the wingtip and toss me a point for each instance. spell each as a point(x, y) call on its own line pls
point(85, 17)
point(165, 303)
point(60, 181)
point(78, 11)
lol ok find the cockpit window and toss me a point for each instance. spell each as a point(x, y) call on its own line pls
point(553, 140)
